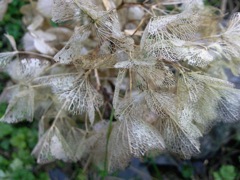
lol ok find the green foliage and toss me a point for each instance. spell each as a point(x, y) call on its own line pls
point(5, 129)
point(12, 24)
point(3, 78)
point(213, 2)
point(187, 171)
point(237, 137)
point(81, 175)
point(16, 144)
point(226, 172)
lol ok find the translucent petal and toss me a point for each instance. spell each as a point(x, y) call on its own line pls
point(61, 142)
point(73, 49)
point(6, 57)
point(132, 137)
point(64, 10)
point(74, 91)
point(20, 107)
point(26, 69)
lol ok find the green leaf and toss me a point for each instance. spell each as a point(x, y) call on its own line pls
point(5, 144)
point(3, 107)
point(5, 129)
point(43, 176)
point(4, 163)
point(2, 174)
point(217, 176)
point(16, 164)
point(19, 141)
point(82, 176)
point(24, 156)
point(226, 172)
point(187, 171)
point(22, 174)
point(32, 138)
point(237, 137)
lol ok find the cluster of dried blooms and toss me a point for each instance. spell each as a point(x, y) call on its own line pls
point(120, 79)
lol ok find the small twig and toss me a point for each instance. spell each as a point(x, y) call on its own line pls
point(108, 137)
point(87, 164)
point(125, 4)
point(35, 54)
point(154, 7)
point(176, 65)
point(224, 6)
point(236, 7)
point(231, 6)
point(139, 25)
point(107, 4)
point(59, 113)
point(131, 32)
point(97, 79)
point(39, 85)
point(51, 67)
point(87, 73)
point(13, 86)
point(130, 80)
point(86, 123)
point(99, 113)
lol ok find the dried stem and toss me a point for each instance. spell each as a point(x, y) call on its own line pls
point(35, 54)
point(97, 79)
point(224, 6)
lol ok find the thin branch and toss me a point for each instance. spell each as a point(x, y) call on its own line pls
point(97, 79)
point(224, 6)
point(35, 54)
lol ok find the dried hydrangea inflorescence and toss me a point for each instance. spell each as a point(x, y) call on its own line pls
point(162, 98)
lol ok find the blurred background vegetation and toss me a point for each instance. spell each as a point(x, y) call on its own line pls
point(219, 160)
